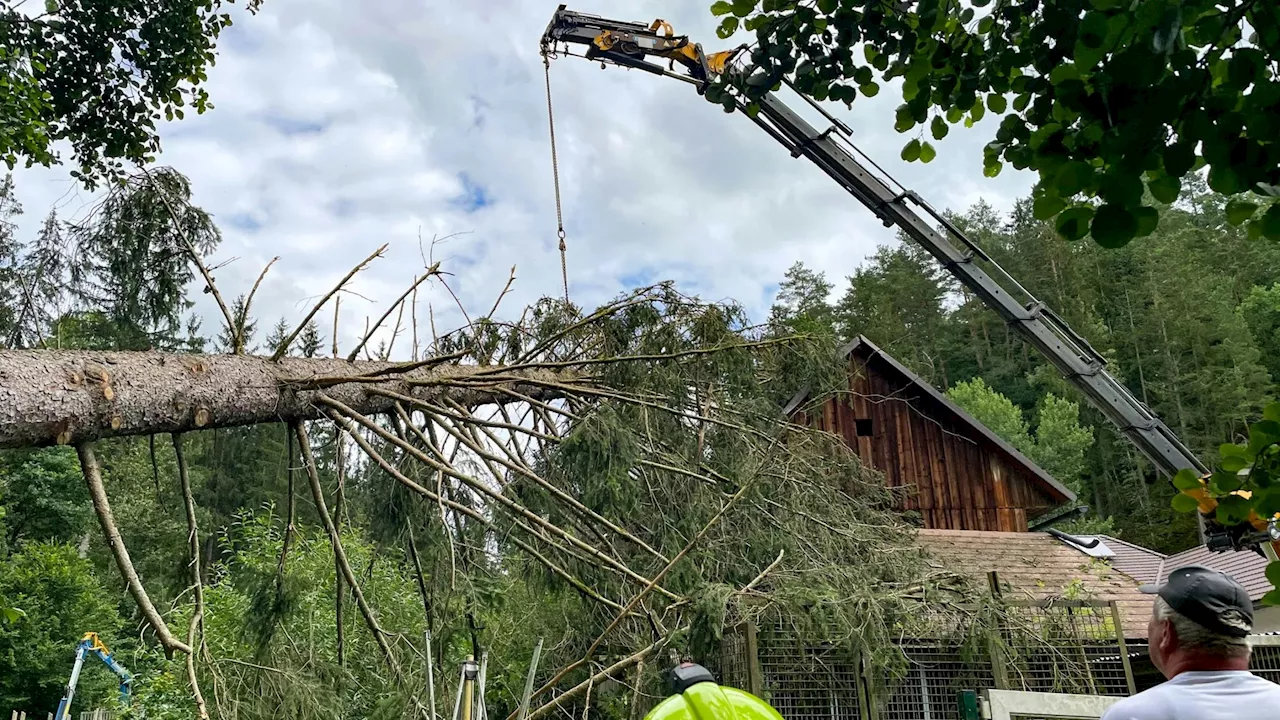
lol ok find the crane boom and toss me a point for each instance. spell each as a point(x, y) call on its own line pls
point(634, 44)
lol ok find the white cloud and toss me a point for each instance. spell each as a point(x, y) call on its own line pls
point(341, 125)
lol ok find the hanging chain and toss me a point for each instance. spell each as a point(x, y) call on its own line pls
point(555, 175)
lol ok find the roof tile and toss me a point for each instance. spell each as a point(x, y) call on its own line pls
point(1035, 566)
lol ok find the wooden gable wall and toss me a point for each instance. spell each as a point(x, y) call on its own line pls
point(961, 480)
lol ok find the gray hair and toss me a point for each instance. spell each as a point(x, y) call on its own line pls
point(1193, 635)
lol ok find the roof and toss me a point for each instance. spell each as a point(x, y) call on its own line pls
point(1149, 566)
point(1140, 563)
point(1035, 566)
point(1248, 568)
point(1047, 481)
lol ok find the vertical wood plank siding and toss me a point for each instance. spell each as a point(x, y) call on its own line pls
point(956, 479)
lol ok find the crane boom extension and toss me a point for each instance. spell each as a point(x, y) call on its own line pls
point(1079, 363)
point(634, 44)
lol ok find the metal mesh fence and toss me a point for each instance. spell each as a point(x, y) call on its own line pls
point(806, 682)
point(1058, 646)
point(1265, 662)
point(1064, 646)
point(936, 672)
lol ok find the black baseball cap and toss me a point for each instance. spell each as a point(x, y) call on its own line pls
point(1204, 596)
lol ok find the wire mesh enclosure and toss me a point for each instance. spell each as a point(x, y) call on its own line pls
point(1066, 646)
point(1266, 657)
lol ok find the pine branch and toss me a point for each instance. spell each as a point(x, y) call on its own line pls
point(317, 494)
point(400, 477)
point(431, 272)
point(548, 486)
point(98, 494)
point(626, 612)
point(284, 346)
point(197, 617)
point(482, 488)
point(239, 328)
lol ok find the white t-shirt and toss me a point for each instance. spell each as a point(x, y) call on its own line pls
point(1203, 695)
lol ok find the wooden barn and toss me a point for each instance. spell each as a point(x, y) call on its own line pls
point(959, 474)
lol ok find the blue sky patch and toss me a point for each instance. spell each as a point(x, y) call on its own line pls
point(474, 196)
point(245, 222)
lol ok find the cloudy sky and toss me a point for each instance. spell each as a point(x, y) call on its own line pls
point(342, 124)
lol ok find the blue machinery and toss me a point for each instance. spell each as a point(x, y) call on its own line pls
point(91, 643)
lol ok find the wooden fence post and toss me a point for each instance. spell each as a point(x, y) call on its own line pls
point(755, 676)
point(999, 663)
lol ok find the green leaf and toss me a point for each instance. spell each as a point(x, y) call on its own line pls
point(1113, 226)
point(1148, 220)
point(743, 8)
point(911, 151)
point(927, 153)
point(1233, 450)
point(997, 103)
point(1073, 178)
point(1270, 222)
point(1234, 464)
point(954, 114)
point(1226, 481)
point(1093, 30)
point(1165, 188)
point(869, 89)
point(1046, 206)
point(1262, 434)
point(1063, 73)
point(1073, 223)
point(1270, 412)
point(1121, 188)
point(904, 119)
point(1273, 573)
point(1184, 504)
point(1179, 159)
point(939, 127)
point(51, 7)
point(727, 28)
point(869, 52)
point(1223, 179)
point(986, 24)
point(826, 7)
point(1187, 479)
point(1233, 510)
point(721, 7)
point(1272, 598)
point(992, 169)
point(1240, 210)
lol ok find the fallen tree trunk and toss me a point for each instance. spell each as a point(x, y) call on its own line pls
point(50, 397)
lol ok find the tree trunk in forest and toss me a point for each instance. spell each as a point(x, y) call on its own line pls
point(52, 397)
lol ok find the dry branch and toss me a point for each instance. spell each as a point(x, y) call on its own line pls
point(461, 509)
point(52, 397)
point(238, 330)
point(288, 342)
point(510, 505)
point(98, 494)
point(431, 271)
point(317, 493)
point(196, 627)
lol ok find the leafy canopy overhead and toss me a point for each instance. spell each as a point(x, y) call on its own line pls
point(1113, 103)
point(99, 74)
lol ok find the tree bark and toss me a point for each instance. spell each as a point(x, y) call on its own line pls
point(52, 397)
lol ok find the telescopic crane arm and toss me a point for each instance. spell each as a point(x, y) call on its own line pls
point(636, 45)
point(91, 643)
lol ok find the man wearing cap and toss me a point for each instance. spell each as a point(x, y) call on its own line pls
point(1198, 637)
